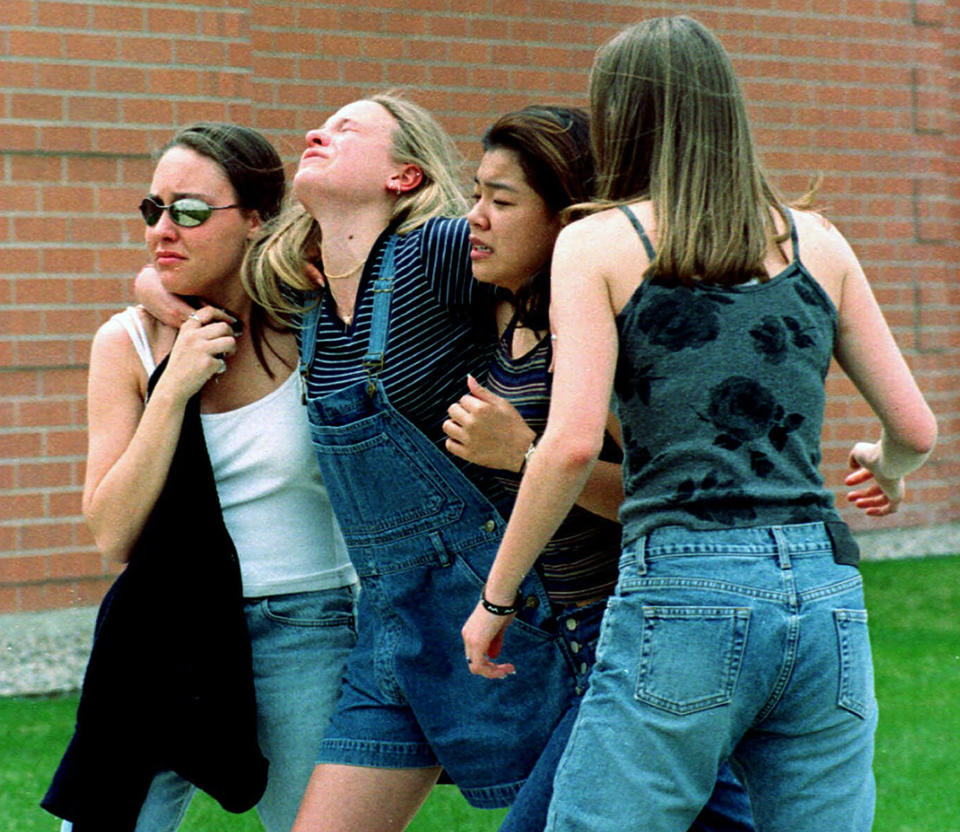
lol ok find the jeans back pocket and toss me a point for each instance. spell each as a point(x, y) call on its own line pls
point(856, 667)
point(690, 657)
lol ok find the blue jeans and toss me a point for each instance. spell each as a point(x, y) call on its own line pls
point(742, 644)
point(728, 809)
point(300, 643)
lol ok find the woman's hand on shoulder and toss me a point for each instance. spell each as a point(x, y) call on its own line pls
point(486, 429)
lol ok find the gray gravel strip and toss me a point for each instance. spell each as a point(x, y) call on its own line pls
point(44, 652)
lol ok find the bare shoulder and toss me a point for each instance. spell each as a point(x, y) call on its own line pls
point(826, 253)
point(819, 238)
point(608, 234)
point(113, 355)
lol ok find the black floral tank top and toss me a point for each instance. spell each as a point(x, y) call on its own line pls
point(720, 391)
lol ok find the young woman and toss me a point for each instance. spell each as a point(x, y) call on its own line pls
point(536, 163)
point(737, 629)
point(213, 187)
point(385, 348)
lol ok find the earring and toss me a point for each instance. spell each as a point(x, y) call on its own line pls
point(397, 187)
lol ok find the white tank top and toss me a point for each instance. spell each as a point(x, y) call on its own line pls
point(273, 500)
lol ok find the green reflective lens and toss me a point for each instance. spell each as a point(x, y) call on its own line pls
point(187, 212)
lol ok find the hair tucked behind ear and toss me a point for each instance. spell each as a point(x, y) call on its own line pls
point(420, 140)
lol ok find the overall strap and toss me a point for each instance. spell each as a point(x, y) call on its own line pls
point(380, 319)
point(651, 251)
point(309, 321)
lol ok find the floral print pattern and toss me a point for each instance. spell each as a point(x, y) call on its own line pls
point(720, 394)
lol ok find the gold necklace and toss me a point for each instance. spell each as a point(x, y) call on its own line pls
point(350, 273)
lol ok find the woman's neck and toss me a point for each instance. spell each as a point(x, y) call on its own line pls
point(347, 235)
point(233, 298)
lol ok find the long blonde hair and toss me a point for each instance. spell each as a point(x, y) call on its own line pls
point(275, 259)
point(669, 124)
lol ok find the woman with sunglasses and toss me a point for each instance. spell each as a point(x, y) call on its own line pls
point(228, 376)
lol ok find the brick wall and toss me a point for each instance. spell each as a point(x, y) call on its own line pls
point(863, 92)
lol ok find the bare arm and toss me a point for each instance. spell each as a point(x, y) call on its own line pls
point(868, 354)
point(586, 357)
point(167, 308)
point(486, 429)
point(130, 445)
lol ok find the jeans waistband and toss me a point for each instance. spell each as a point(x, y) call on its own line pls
point(785, 542)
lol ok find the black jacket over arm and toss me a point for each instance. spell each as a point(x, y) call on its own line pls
point(169, 684)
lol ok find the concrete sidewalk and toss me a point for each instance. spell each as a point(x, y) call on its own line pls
point(46, 652)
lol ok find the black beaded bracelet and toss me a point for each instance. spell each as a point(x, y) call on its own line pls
point(498, 609)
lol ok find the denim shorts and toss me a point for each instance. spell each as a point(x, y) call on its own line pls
point(409, 701)
point(749, 644)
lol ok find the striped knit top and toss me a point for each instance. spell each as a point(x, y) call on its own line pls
point(440, 330)
point(580, 561)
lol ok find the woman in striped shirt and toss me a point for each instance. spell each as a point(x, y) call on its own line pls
point(536, 163)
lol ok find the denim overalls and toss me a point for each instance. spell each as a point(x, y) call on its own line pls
point(422, 538)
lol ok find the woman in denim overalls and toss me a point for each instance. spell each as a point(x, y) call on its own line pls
point(385, 350)
point(737, 629)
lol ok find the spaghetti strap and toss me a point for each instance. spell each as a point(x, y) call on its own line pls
point(793, 233)
point(651, 251)
point(130, 321)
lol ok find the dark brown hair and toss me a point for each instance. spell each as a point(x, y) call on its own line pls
point(552, 147)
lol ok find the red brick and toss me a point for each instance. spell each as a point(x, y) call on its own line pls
point(20, 506)
point(31, 291)
point(40, 107)
point(41, 413)
point(121, 18)
point(67, 504)
point(10, 599)
point(68, 260)
point(76, 565)
point(22, 569)
point(33, 43)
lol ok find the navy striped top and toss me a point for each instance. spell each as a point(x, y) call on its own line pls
point(441, 328)
point(580, 561)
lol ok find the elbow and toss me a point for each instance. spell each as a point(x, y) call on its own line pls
point(107, 542)
point(921, 437)
point(575, 453)
point(112, 549)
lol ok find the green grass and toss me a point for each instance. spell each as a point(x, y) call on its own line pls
point(915, 631)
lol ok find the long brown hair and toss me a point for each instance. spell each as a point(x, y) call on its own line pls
point(669, 124)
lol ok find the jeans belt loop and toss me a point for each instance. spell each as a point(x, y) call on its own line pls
point(783, 552)
point(642, 555)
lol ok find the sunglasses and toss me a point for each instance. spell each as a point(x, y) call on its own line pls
point(187, 212)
